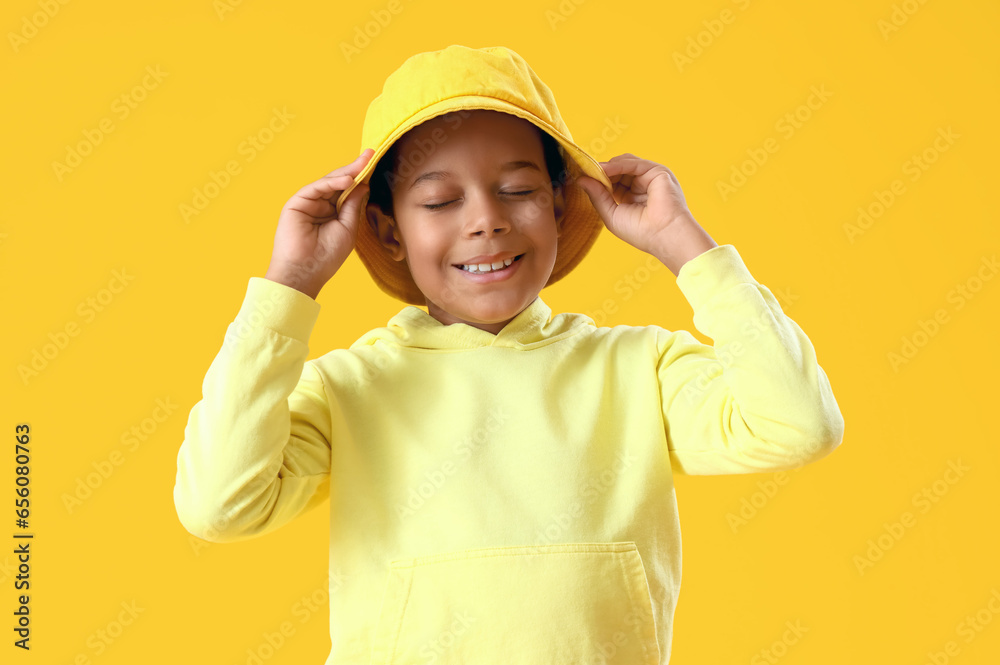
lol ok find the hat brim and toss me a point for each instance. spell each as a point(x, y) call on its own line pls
point(581, 227)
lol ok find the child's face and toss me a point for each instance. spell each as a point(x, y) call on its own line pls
point(461, 164)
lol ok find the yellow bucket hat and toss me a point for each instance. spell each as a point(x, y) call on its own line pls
point(454, 79)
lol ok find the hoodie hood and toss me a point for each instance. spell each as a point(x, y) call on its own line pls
point(532, 327)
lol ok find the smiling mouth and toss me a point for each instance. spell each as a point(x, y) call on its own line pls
point(474, 268)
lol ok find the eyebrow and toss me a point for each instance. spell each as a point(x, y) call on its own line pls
point(504, 168)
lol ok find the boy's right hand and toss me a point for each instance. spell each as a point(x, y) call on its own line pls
point(312, 240)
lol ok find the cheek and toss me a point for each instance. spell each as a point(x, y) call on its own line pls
point(537, 212)
point(430, 246)
point(542, 229)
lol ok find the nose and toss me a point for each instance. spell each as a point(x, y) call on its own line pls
point(486, 216)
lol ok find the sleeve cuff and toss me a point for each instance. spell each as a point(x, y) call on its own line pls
point(711, 272)
point(281, 308)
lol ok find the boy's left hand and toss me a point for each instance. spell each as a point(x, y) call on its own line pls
point(647, 208)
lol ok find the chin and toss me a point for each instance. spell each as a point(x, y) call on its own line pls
point(486, 310)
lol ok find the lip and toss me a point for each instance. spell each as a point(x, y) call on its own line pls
point(490, 258)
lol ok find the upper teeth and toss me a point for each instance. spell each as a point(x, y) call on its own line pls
point(488, 267)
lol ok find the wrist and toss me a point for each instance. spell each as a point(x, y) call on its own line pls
point(299, 284)
point(680, 241)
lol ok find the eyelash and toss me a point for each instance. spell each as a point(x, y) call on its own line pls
point(438, 206)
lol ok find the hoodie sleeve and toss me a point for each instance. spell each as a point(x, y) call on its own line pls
point(256, 449)
point(757, 400)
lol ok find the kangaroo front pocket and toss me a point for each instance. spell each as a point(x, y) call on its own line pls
point(536, 604)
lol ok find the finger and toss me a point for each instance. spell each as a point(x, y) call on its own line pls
point(672, 176)
point(640, 172)
point(326, 187)
point(623, 186)
point(350, 212)
point(319, 199)
point(313, 208)
point(356, 166)
point(602, 200)
point(632, 165)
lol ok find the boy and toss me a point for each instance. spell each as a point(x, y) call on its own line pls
point(500, 478)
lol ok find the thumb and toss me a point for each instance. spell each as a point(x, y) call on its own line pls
point(350, 212)
point(602, 199)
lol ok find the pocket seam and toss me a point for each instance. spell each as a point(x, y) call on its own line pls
point(512, 550)
point(630, 580)
point(397, 618)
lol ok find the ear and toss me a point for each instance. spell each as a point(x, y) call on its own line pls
point(559, 208)
point(386, 231)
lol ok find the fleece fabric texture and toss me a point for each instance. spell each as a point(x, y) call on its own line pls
point(501, 498)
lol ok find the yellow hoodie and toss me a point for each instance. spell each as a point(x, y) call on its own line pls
point(499, 498)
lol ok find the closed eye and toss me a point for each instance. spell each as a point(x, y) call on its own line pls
point(438, 206)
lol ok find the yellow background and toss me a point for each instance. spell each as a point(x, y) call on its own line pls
point(856, 295)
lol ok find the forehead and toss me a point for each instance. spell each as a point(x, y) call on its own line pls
point(445, 133)
point(491, 139)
